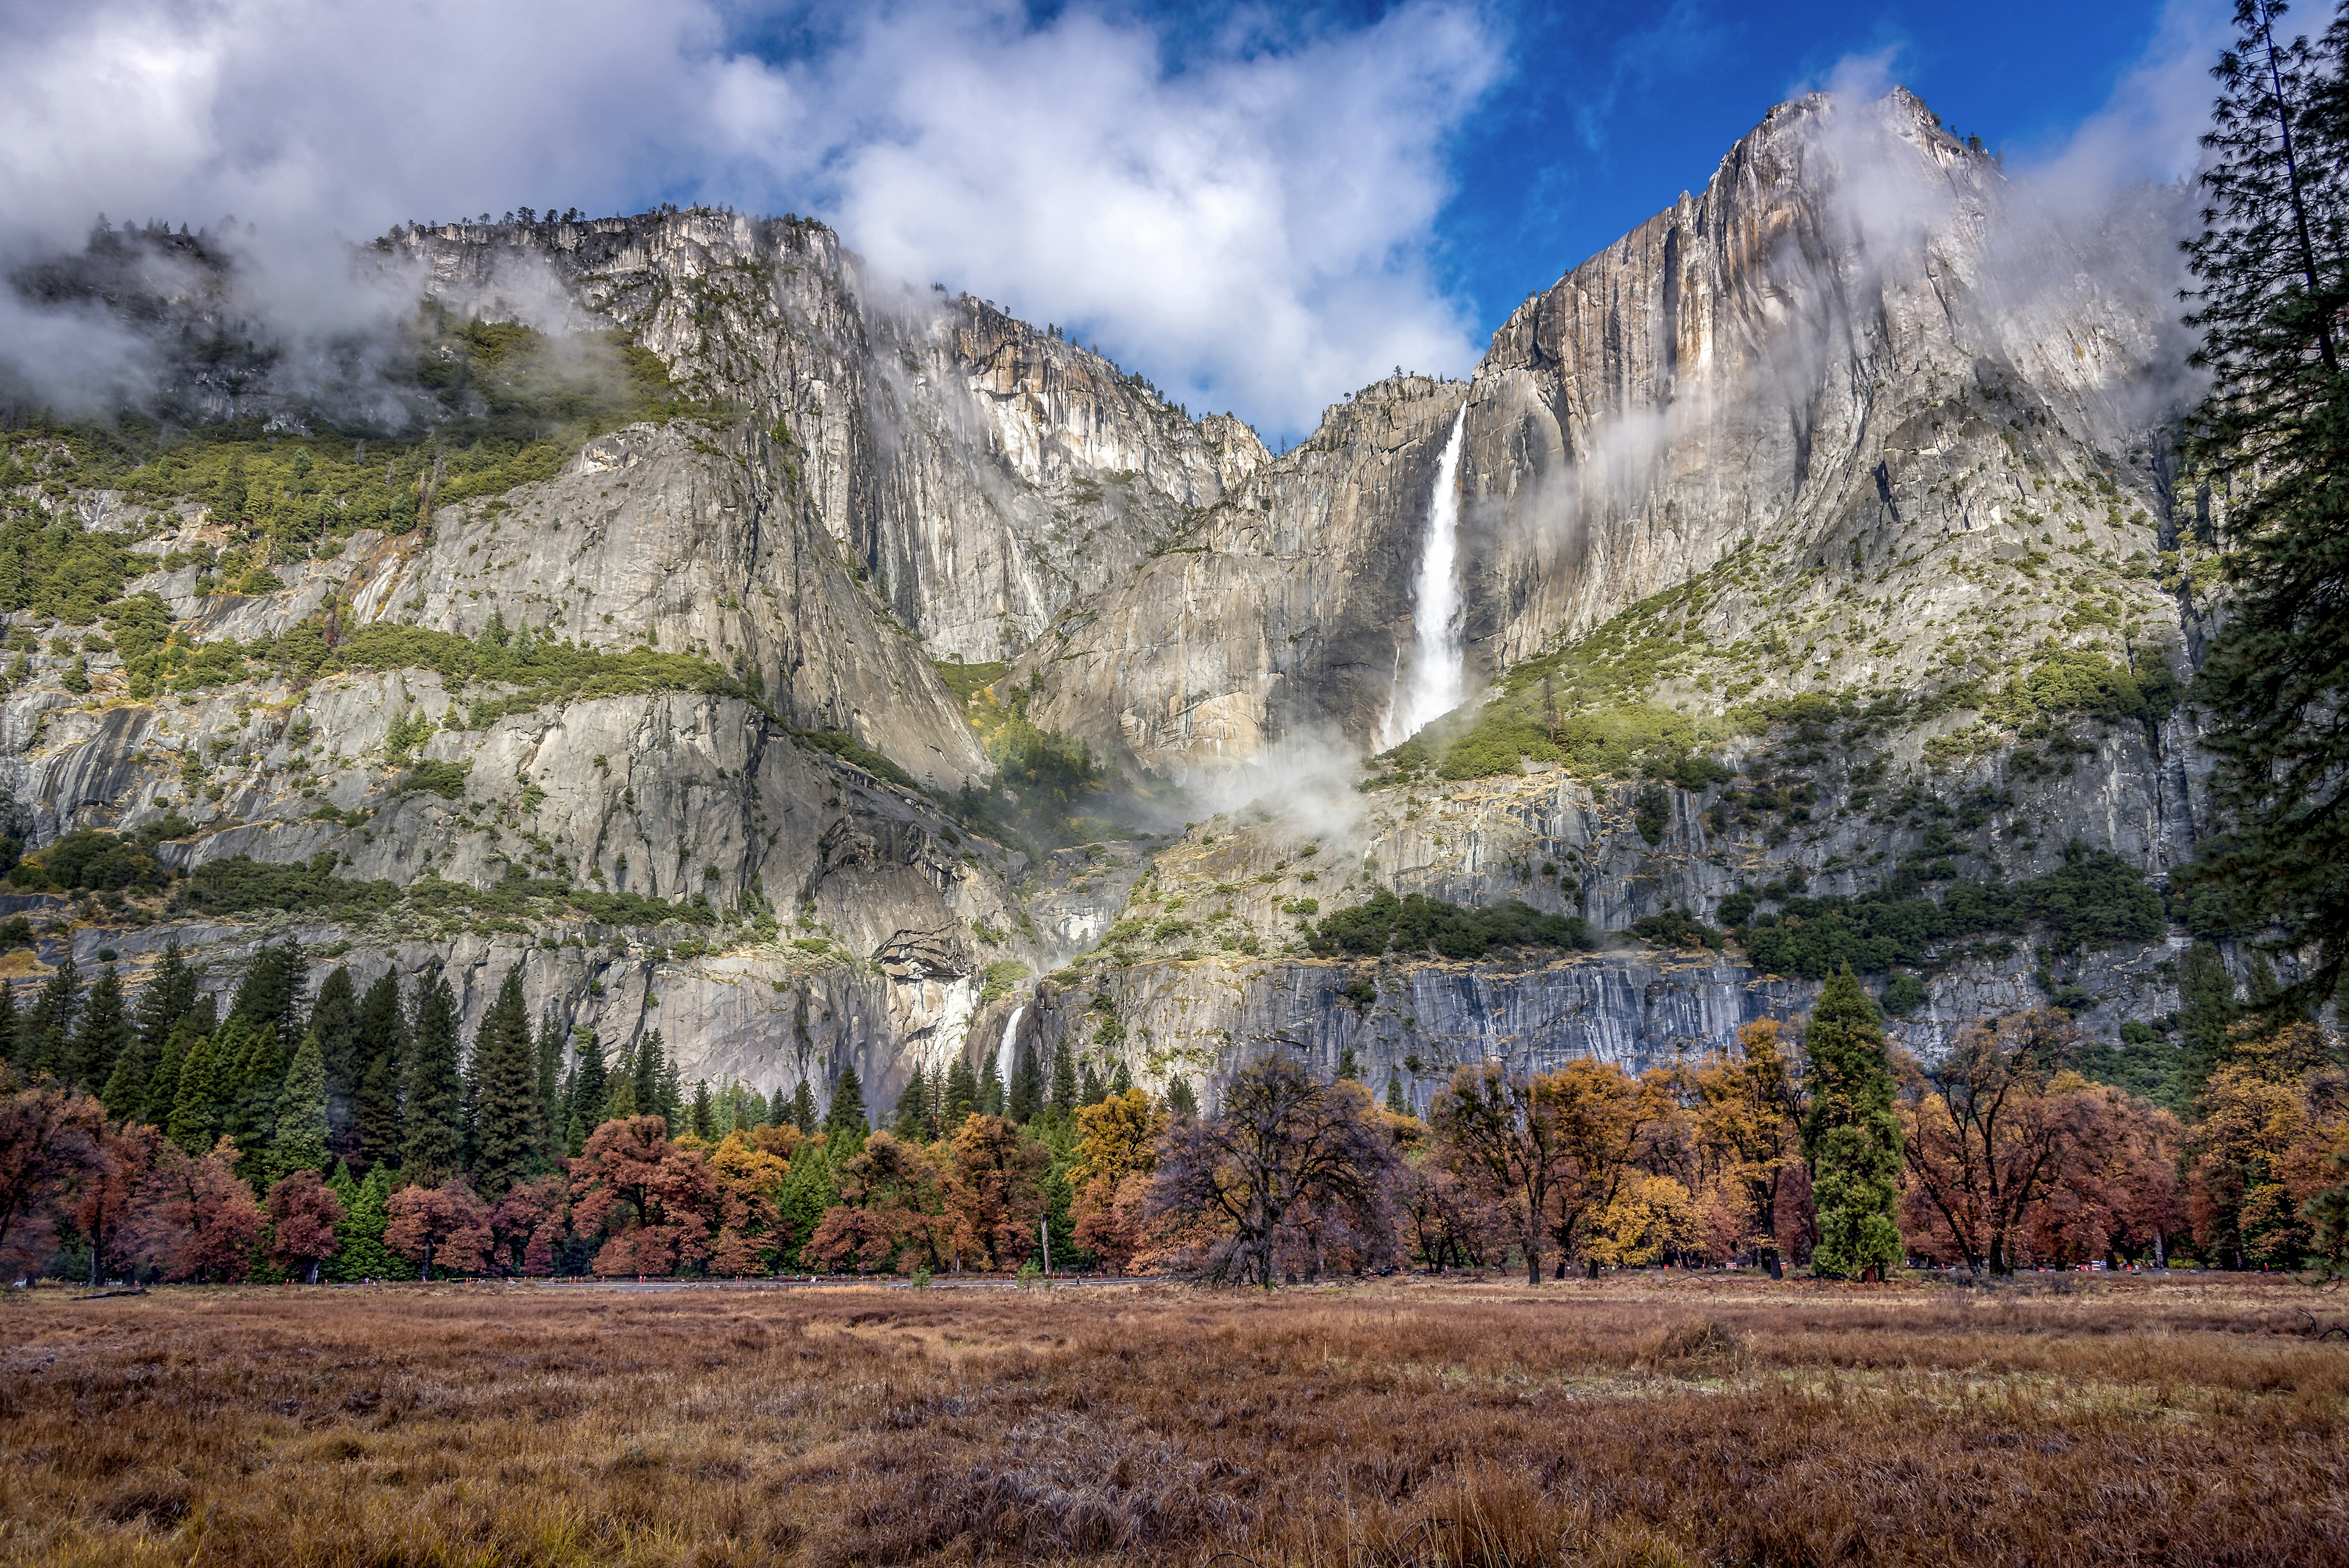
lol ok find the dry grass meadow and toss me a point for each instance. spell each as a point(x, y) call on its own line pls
point(1694, 1420)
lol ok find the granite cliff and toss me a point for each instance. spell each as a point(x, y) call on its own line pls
point(1818, 540)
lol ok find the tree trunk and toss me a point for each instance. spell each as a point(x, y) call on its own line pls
point(1592, 1265)
point(1533, 1259)
point(1770, 1261)
point(313, 1272)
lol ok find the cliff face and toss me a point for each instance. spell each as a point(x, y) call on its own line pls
point(1857, 424)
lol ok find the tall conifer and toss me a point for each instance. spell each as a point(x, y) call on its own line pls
point(432, 1108)
point(961, 1097)
point(1851, 1135)
point(335, 1020)
point(103, 1034)
point(375, 1135)
point(2272, 265)
point(510, 1134)
point(589, 1087)
point(299, 1140)
point(845, 1120)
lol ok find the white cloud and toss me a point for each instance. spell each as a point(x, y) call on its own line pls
point(1248, 225)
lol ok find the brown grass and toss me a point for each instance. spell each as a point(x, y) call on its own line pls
point(1632, 1422)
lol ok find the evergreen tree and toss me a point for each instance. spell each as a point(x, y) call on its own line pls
point(1122, 1079)
point(756, 1112)
point(1025, 1097)
point(1063, 1102)
point(256, 1075)
point(803, 1108)
point(359, 1252)
point(845, 1118)
point(432, 1108)
point(621, 1101)
point(1851, 1135)
point(701, 1115)
point(299, 1141)
point(913, 1118)
point(1180, 1100)
point(1396, 1104)
point(125, 1094)
point(11, 1026)
point(1090, 1089)
point(163, 1087)
point(584, 1097)
point(510, 1134)
point(990, 1087)
point(194, 1121)
point(647, 1070)
point(375, 1135)
point(1347, 1067)
point(270, 995)
point(551, 1116)
point(105, 1032)
point(2272, 303)
point(335, 1020)
point(961, 1096)
point(667, 1090)
point(2207, 1010)
point(166, 998)
point(44, 1039)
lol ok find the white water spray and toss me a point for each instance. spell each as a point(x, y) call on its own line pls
point(1437, 671)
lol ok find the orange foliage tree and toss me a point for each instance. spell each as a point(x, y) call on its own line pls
point(447, 1224)
point(651, 1202)
point(1117, 1149)
point(994, 1193)
point(303, 1214)
point(891, 1212)
point(196, 1218)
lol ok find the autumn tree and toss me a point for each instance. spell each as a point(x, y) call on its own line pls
point(1746, 1117)
point(1492, 1129)
point(890, 1210)
point(1852, 1136)
point(1595, 1115)
point(303, 1214)
point(2261, 1147)
point(1292, 1173)
point(107, 1206)
point(993, 1193)
point(52, 1147)
point(750, 1170)
point(649, 1203)
point(526, 1225)
point(1117, 1151)
point(195, 1218)
point(447, 1225)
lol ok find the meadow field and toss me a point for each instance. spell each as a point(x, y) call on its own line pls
point(1647, 1419)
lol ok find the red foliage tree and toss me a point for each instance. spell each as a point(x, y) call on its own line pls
point(196, 1218)
point(51, 1148)
point(303, 1214)
point(109, 1204)
point(526, 1225)
point(447, 1224)
point(994, 1193)
point(891, 1212)
point(653, 1202)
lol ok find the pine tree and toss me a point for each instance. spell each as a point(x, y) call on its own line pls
point(105, 1032)
point(911, 1121)
point(961, 1096)
point(845, 1118)
point(251, 1086)
point(508, 1137)
point(1396, 1104)
point(1062, 1104)
point(646, 1069)
point(44, 1039)
point(165, 999)
point(2272, 266)
point(335, 1020)
point(1180, 1100)
point(164, 1084)
point(359, 1252)
point(583, 1096)
point(990, 1087)
point(270, 995)
point(666, 1087)
point(125, 1094)
point(382, 1049)
point(1025, 1097)
point(194, 1120)
point(803, 1108)
point(756, 1112)
point(299, 1142)
point(432, 1108)
point(1090, 1089)
point(1851, 1135)
point(552, 1120)
point(1121, 1080)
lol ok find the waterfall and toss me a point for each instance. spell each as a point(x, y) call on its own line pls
point(1007, 1051)
point(1437, 673)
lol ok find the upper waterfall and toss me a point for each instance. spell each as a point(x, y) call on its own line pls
point(1437, 675)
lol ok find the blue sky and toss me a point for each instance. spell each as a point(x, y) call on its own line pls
point(1260, 208)
point(1605, 118)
